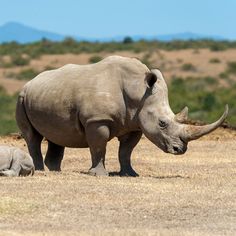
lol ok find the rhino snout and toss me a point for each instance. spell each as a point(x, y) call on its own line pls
point(178, 148)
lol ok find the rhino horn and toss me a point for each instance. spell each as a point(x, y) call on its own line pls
point(182, 116)
point(192, 132)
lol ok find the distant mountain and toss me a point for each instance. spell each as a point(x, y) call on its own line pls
point(20, 33)
point(13, 31)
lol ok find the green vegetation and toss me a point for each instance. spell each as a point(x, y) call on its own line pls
point(146, 60)
point(230, 70)
point(95, 59)
point(188, 67)
point(224, 75)
point(128, 40)
point(19, 60)
point(214, 60)
point(15, 60)
point(218, 47)
point(204, 98)
point(70, 45)
point(27, 74)
point(231, 67)
point(7, 113)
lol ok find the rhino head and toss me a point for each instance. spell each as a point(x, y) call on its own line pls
point(161, 126)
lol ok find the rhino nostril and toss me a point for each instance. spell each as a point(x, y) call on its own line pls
point(176, 149)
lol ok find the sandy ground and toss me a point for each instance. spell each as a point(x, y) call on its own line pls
point(169, 62)
point(192, 194)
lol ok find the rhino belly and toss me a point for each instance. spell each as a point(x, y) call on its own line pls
point(61, 129)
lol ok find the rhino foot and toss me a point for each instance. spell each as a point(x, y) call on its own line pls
point(52, 166)
point(99, 170)
point(8, 173)
point(129, 171)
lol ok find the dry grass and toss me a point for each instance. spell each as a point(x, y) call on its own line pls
point(193, 194)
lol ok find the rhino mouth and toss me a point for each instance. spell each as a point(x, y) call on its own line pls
point(179, 150)
point(177, 147)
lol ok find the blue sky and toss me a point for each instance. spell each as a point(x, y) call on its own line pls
point(105, 18)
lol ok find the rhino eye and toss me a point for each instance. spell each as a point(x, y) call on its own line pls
point(162, 124)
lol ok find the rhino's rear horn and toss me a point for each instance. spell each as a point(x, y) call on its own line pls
point(182, 116)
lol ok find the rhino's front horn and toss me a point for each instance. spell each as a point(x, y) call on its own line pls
point(192, 132)
point(182, 116)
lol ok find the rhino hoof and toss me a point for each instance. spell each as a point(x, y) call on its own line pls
point(98, 172)
point(128, 172)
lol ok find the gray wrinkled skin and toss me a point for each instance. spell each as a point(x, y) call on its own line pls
point(15, 162)
point(86, 106)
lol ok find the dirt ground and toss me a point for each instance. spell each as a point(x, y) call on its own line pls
point(192, 194)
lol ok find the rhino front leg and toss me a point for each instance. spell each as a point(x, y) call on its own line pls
point(97, 137)
point(127, 144)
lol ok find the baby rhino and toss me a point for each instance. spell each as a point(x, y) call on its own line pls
point(15, 162)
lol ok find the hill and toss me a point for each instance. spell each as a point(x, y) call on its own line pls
point(14, 31)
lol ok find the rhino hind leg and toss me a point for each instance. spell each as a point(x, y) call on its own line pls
point(54, 156)
point(127, 144)
point(97, 137)
point(31, 136)
point(34, 146)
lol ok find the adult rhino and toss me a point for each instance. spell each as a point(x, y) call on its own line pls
point(84, 106)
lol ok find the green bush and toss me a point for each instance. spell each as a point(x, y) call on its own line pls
point(210, 80)
point(27, 74)
point(49, 68)
point(214, 60)
point(7, 113)
point(231, 67)
point(95, 59)
point(204, 98)
point(188, 67)
point(224, 75)
point(18, 60)
point(127, 40)
point(209, 101)
point(215, 47)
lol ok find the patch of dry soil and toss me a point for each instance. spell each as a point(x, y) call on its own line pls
point(192, 194)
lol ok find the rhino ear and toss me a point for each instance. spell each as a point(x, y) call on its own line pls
point(150, 79)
